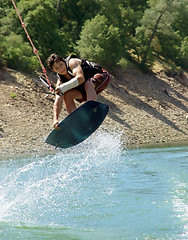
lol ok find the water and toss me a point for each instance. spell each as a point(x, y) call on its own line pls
point(97, 190)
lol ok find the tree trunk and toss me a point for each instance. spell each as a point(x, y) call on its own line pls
point(58, 6)
point(152, 36)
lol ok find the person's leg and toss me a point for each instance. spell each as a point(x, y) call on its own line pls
point(69, 97)
point(90, 90)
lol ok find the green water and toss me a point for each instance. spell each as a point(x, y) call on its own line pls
point(96, 190)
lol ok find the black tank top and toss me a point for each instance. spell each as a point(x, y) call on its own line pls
point(89, 69)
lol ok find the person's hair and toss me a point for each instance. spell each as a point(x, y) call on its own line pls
point(53, 58)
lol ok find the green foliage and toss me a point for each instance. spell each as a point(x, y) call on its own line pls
point(184, 47)
point(180, 21)
point(184, 52)
point(157, 27)
point(41, 23)
point(123, 63)
point(4, 5)
point(170, 45)
point(16, 53)
point(71, 16)
point(99, 41)
point(1, 51)
point(13, 95)
point(100, 30)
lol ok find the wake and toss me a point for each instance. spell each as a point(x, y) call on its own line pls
point(51, 189)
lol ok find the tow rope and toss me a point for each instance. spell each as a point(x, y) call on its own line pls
point(48, 83)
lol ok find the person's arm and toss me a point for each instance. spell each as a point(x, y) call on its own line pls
point(57, 107)
point(75, 66)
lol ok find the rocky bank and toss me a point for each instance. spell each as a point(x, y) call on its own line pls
point(145, 108)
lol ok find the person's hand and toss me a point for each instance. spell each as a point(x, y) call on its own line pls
point(55, 124)
point(58, 92)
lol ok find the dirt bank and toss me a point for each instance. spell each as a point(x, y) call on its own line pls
point(144, 108)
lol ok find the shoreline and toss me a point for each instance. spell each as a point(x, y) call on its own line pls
point(53, 151)
point(160, 145)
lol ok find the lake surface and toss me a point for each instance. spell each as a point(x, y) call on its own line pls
point(96, 190)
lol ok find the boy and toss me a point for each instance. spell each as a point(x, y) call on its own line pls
point(78, 79)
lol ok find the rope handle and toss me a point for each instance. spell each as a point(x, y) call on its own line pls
point(46, 84)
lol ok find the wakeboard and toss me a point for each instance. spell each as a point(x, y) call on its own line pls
point(78, 125)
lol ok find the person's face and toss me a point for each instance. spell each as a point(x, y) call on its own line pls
point(60, 67)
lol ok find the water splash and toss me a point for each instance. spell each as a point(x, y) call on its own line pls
point(54, 188)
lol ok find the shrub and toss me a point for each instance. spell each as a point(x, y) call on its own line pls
point(99, 41)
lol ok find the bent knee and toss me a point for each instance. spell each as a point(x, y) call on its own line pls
point(89, 84)
point(71, 95)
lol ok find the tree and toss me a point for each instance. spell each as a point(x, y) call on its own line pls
point(180, 22)
point(184, 53)
point(17, 54)
point(58, 6)
point(41, 22)
point(71, 16)
point(156, 20)
point(105, 31)
point(99, 41)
